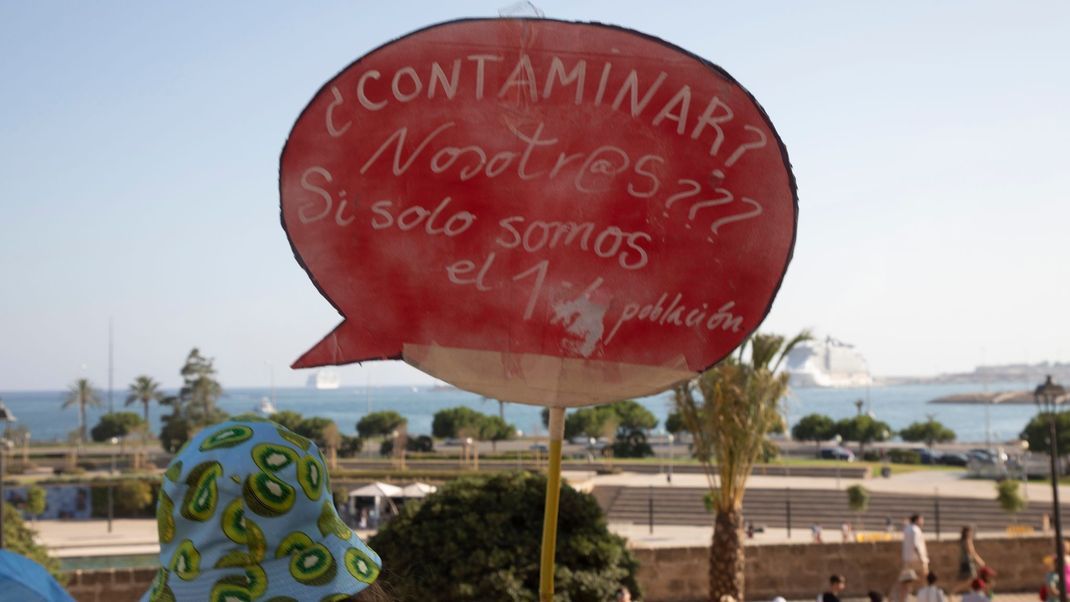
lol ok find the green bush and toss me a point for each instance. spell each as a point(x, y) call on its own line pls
point(857, 498)
point(632, 445)
point(174, 434)
point(18, 538)
point(904, 456)
point(132, 498)
point(477, 539)
point(1009, 497)
point(116, 424)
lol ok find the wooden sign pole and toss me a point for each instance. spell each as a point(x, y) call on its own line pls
point(553, 495)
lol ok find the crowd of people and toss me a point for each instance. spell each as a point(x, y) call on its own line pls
point(973, 582)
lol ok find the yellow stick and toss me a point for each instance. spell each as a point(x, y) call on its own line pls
point(553, 495)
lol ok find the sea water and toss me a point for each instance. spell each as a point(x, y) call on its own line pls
point(897, 405)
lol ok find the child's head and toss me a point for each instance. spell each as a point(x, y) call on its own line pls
point(977, 585)
point(245, 509)
point(837, 583)
point(931, 579)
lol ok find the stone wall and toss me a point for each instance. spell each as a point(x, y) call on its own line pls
point(110, 585)
point(801, 571)
point(797, 571)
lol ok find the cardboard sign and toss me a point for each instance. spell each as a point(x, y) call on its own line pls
point(538, 211)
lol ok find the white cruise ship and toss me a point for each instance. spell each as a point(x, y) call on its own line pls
point(324, 378)
point(827, 363)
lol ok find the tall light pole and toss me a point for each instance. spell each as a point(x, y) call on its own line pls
point(1047, 397)
point(5, 416)
point(111, 485)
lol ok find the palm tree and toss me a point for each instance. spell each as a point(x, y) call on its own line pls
point(146, 390)
point(82, 394)
point(740, 400)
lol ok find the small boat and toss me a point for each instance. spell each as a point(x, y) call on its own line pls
point(266, 408)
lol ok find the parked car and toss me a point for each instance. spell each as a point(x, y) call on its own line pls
point(928, 456)
point(836, 453)
point(953, 459)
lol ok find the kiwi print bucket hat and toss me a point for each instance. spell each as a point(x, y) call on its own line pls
point(246, 513)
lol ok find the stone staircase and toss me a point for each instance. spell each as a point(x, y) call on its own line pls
point(825, 507)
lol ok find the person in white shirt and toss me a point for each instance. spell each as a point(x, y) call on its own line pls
point(915, 555)
point(931, 592)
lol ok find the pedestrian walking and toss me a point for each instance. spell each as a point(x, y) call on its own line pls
point(970, 562)
point(815, 533)
point(915, 555)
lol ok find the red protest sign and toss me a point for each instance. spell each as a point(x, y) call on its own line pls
point(540, 211)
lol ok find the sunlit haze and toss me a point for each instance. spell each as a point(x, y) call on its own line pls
point(140, 148)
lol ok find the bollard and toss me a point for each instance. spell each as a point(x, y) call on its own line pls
point(936, 511)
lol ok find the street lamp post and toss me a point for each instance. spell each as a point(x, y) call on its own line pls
point(668, 477)
point(1047, 397)
point(5, 416)
point(111, 483)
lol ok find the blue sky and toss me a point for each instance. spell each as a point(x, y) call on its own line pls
point(140, 144)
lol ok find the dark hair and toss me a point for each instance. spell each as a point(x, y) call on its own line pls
point(966, 531)
point(914, 518)
point(931, 578)
point(835, 579)
point(376, 592)
point(875, 596)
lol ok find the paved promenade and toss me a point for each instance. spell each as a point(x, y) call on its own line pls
point(138, 536)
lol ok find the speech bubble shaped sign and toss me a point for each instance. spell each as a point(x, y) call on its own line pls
point(539, 211)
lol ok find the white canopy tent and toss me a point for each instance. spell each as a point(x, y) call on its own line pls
point(417, 490)
point(381, 495)
point(377, 489)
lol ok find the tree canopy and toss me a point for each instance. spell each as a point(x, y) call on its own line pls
point(813, 427)
point(1037, 430)
point(323, 431)
point(674, 423)
point(930, 432)
point(620, 419)
point(144, 390)
point(82, 395)
point(117, 424)
point(729, 411)
point(864, 429)
point(463, 421)
point(380, 424)
point(287, 418)
point(195, 405)
point(478, 539)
